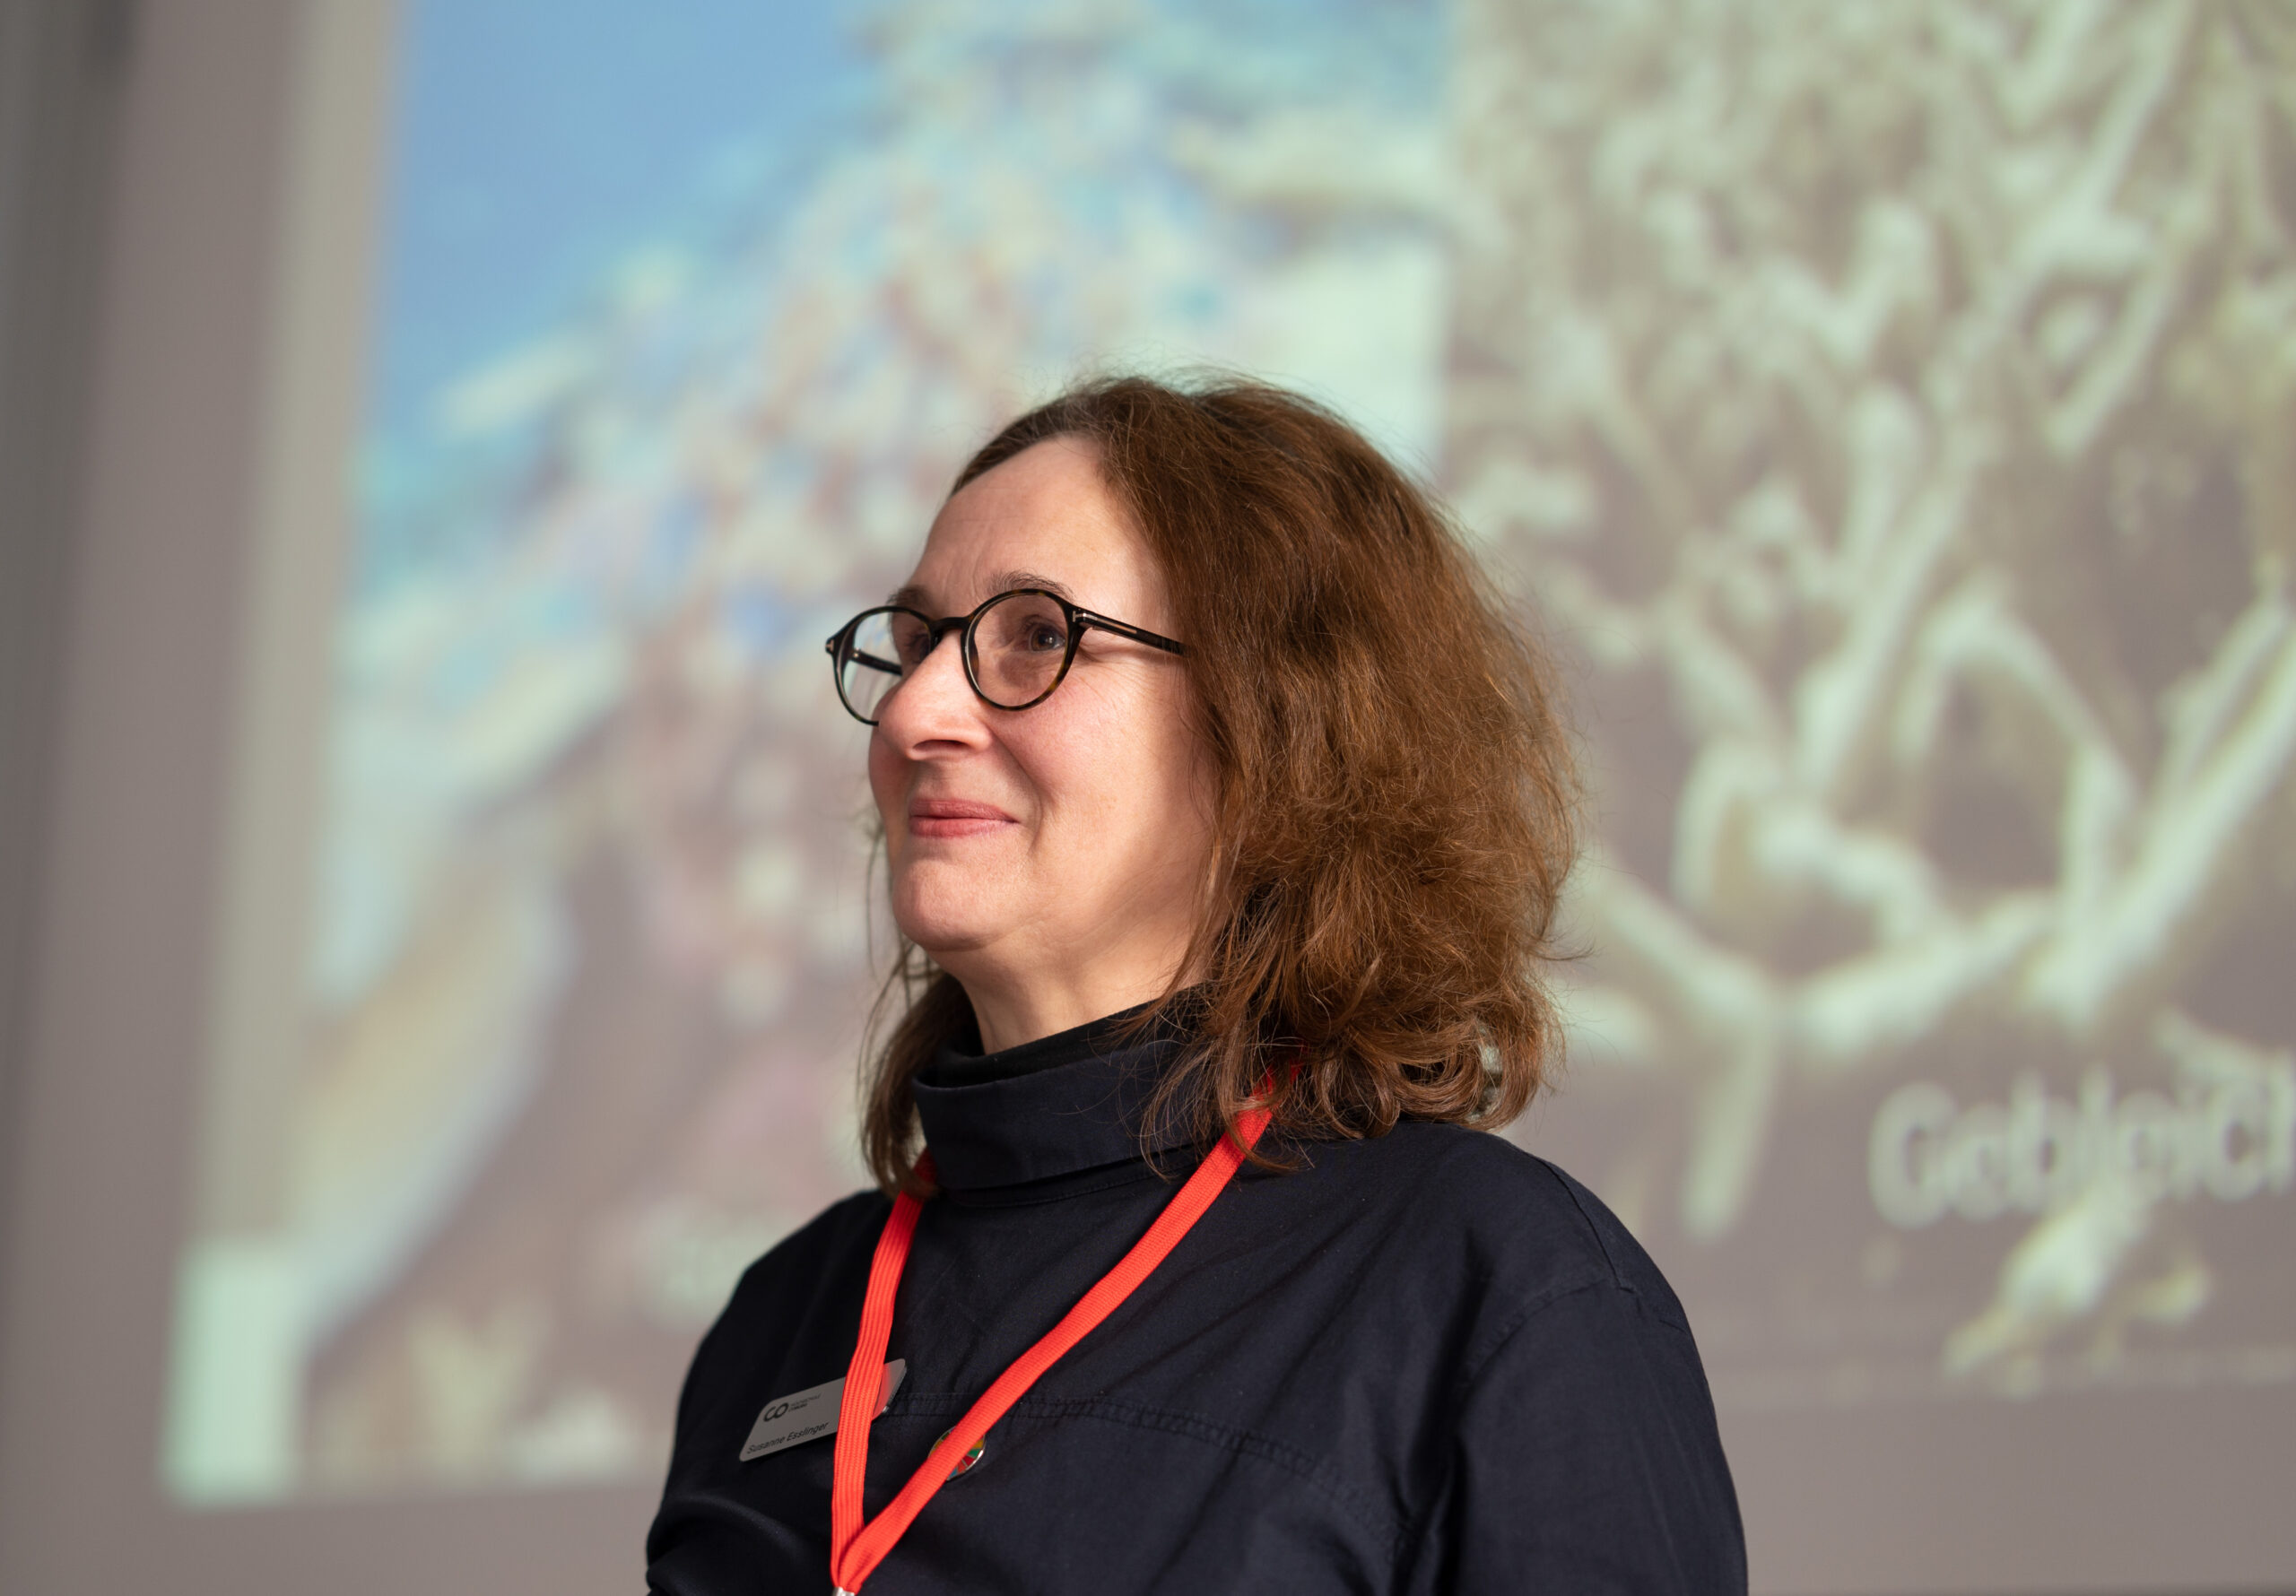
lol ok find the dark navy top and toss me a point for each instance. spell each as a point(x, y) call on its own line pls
point(1427, 1362)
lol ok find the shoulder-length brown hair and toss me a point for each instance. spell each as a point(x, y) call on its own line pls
point(1395, 794)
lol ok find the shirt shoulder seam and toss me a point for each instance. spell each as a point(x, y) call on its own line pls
point(1593, 1230)
point(1478, 1364)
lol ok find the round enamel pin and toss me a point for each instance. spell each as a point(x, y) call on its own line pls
point(966, 1462)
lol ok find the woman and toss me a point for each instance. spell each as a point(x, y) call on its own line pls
point(1224, 809)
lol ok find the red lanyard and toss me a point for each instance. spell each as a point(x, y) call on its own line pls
point(856, 1549)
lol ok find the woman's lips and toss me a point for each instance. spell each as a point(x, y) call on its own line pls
point(955, 817)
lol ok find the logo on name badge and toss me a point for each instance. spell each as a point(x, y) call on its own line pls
point(811, 1413)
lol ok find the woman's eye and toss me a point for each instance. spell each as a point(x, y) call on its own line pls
point(1044, 637)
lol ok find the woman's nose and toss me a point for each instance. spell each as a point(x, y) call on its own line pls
point(934, 700)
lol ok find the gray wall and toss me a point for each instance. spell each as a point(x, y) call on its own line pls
point(61, 66)
point(131, 787)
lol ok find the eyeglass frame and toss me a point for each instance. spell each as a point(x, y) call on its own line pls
point(1080, 621)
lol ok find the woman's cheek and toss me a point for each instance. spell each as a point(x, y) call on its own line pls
point(886, 790)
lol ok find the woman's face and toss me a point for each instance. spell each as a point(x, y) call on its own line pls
point(1050, 858)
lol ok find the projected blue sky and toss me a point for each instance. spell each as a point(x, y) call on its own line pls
point(536, 139)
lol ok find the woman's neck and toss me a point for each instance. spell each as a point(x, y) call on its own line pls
point(1009, 1015)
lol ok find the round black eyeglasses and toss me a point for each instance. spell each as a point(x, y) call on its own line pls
point(1017, 647)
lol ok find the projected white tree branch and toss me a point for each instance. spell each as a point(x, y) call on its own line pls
point(1903, 397)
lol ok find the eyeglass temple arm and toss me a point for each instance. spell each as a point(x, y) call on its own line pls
point(858, 656)
point(1137, 634)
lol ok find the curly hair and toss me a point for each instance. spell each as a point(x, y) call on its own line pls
point(1397, 801)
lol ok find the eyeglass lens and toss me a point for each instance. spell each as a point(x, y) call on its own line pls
point(1019, 645)
point(1018, 648)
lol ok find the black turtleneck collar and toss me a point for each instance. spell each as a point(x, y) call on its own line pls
point(1057, 1106)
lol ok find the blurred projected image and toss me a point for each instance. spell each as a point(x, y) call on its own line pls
point(1885, 410)
point(1891, 406)
point(587, 926)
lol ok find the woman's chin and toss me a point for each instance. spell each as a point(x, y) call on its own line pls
point(948, 921)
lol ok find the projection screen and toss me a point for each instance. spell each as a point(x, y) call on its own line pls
point(1884, 413)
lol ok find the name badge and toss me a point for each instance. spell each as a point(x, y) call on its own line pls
point(811, 1413)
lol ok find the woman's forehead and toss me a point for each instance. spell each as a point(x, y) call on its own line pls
point(1043, 518)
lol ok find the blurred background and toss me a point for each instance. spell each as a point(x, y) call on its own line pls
point(435, 933)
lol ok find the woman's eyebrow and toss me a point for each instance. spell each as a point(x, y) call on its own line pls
point(913, 597)
point(1005, 581)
